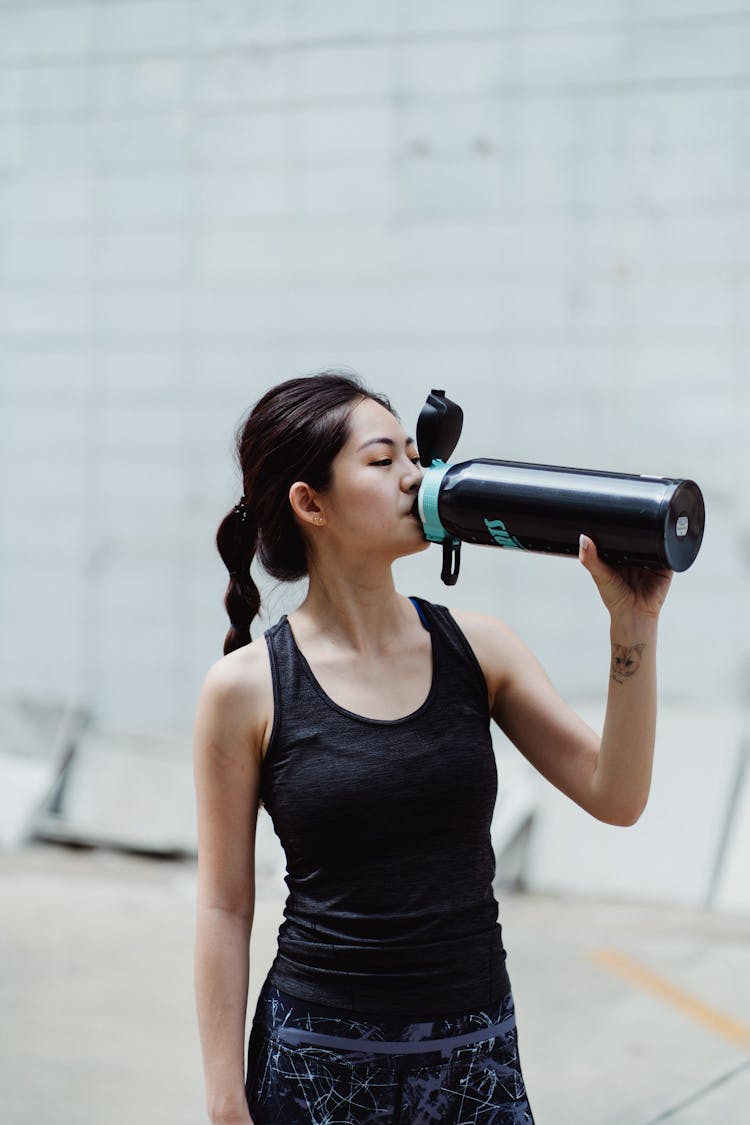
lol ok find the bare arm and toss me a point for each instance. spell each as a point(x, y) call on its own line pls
point(633, 598)
point(610, 776)
point(229, 731)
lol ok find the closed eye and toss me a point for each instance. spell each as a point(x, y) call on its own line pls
point(388, 461)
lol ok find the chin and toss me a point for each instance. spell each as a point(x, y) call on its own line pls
point(422, 545)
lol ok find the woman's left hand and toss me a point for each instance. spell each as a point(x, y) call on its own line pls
point(625, 590)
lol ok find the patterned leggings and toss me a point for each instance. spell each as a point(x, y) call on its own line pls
point(314, 1065)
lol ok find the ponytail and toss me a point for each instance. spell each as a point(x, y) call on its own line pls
point(236, 541)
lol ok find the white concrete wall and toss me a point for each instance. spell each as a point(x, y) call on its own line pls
point(678, 852)
point(543, 207)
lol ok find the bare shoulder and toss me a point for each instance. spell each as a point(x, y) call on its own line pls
point(499, 650)
point(235, 705)
point(244, 672)
point(488, 636)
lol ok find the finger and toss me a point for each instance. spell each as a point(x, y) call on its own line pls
point(589, 556)
point(603, 574)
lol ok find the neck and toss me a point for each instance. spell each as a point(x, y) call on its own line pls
point(359, 609)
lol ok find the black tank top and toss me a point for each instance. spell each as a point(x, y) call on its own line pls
point(386, 829)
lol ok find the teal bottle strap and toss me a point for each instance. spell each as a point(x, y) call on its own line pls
point(432, 478)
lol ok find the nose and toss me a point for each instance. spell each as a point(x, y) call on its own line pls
point(412, 478)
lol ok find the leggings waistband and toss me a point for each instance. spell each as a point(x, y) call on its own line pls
point(294, 1023)
point(390, 1047)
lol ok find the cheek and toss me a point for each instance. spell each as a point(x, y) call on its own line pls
point(371, 496)
point(360, 513)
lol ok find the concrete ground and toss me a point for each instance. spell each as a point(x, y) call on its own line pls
point(627, 1015)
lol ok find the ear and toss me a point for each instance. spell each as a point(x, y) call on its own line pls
point(305, 504)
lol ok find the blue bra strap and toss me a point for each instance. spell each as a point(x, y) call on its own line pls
point(422, 617)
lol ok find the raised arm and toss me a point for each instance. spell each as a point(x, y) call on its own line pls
point(633, 598)
point(230, 727)
point(610, 776)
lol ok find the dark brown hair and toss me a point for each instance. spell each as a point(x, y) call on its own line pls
point(292, 433)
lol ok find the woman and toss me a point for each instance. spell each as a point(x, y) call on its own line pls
point(361, 721)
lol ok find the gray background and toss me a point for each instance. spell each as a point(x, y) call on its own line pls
point(543, 207)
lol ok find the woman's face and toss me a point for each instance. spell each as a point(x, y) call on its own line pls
point(375, 480)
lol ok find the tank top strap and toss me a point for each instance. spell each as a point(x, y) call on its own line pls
point(287, 675)
point(456, 651)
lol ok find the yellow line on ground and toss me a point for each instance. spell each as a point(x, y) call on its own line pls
point(728, 1028)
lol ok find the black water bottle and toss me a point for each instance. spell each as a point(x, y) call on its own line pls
point(634, 520)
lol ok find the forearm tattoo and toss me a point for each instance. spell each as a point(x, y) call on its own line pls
point(626, 660)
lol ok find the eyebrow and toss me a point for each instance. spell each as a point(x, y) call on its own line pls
point(384, 441)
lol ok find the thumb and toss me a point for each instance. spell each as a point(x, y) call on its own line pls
point(602, 574)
